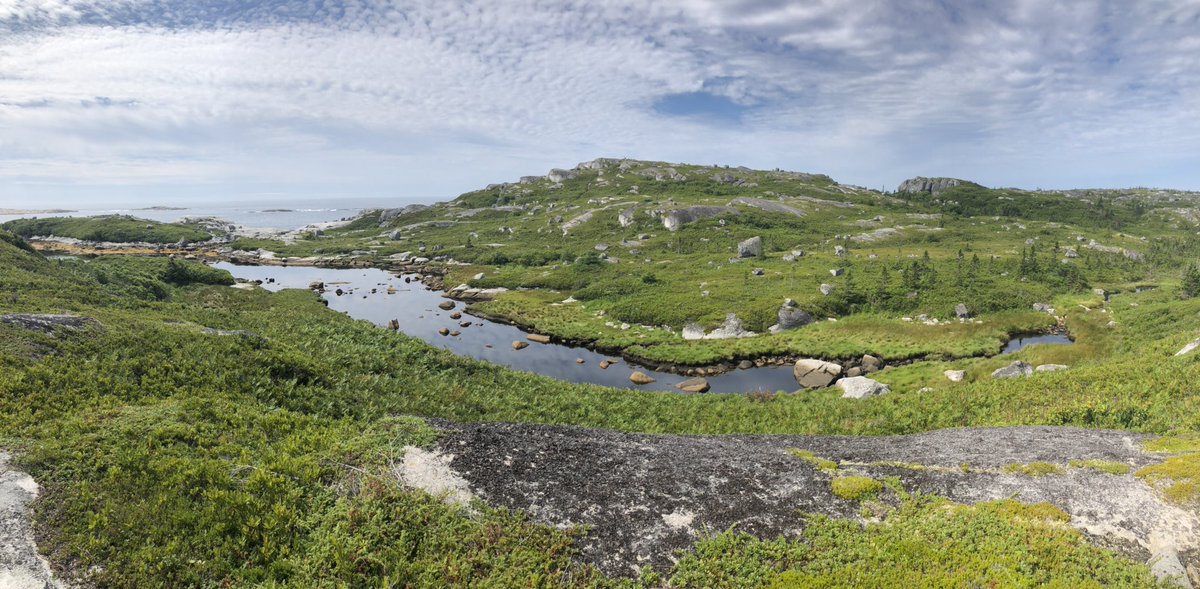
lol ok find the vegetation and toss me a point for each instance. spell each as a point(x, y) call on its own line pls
point(853, 488)
point(199, 435)
point(109, 228)
point(1033, 469)
point(924, 542)
point(1105, 466)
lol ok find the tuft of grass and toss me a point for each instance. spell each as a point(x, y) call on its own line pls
point(855, 488)
point(1033, 469)
point(1185, 442)
point(1178, 476)
point(807, 456)
point(1107, 466)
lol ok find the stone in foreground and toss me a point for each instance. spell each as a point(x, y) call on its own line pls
point(639, 377)
point(1017, 369)
point(814, 374)
point(955, 375)
point(861, 387)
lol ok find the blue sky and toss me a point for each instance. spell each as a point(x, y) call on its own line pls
point(161, 101)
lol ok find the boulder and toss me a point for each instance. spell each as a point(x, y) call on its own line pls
point(854, 371)
point(814, 374)
point(960, 311)
point(757, 272)
point(871, 364)
point(518, 345)
point(861, 387)
point(316, 285)
point(639, 377)
point(827, 289)
point(444, 331)
point(1043, 308)
point(745, 365)
point(837, 271)
point(750, 248)
point(694, 385)
point(604, 364)
point(394, 325)
point(839, 251)
point(1017, 369)
point(539, 338)
point(955, 375)
point(446, 305)
point(1189, 348)
point(791, 316)
point(464, 324)
point(625, 217)
point(478, 276)
point(1051, 367)
point(693, 331)
point(456, 316)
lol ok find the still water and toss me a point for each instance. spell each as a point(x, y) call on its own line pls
point(416, 309)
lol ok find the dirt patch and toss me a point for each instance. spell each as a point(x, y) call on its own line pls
point(648, 496)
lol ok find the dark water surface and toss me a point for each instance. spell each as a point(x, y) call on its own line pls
point(416, 308)
point(1020, 343)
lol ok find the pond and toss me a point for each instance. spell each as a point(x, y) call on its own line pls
point(415, 307)
point(1021, 342)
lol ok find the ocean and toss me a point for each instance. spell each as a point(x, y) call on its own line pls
point(275, 214)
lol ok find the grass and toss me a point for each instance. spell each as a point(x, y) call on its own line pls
point(925, 542)
point(823, 464)
point(855, 488)
point(1033, 469)
point(1105, 466)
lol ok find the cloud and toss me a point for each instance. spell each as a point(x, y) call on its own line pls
point(435, 97)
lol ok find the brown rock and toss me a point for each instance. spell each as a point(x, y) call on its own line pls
point(456, 316)
point(871, 364)
point(604, 364)
point(579, 360)
point(539, 338)
point(694, 385)
point(640, 377)
point(465, 324)
point(444, 331)
point(520, 345)
point(394, 324)
point(446, 305)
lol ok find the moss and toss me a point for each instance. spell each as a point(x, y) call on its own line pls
point(1178, 476)
point(854, 488)
point(813, 459)
point(1184, 442)
point(1106, 466)
point(1033, 469)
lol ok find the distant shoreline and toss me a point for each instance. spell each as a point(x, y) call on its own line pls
point(35, 211)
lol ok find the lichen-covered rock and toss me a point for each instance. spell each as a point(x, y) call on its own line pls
point(47, 323)
point(1051, 368)
point(694, 385)
point(861, 387)
point(751, 248)
point(677, 218)
point(928, 185)
point(1017, 369)
point(955, 375)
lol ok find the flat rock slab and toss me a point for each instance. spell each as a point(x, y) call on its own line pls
point(648, 496)
point(47, 323)
point(21, 567)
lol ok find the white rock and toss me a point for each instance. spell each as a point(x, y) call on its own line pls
point(955, 375)
point(861, 387)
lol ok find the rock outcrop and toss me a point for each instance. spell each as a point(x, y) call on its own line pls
point(928, 185)
point(674, 219)
point(770, 206)
point(46, 323)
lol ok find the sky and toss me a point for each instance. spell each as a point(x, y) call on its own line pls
point(166, 101)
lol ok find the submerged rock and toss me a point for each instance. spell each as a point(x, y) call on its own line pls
point(694, 385)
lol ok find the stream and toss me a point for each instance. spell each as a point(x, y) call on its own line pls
point(416, 309)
